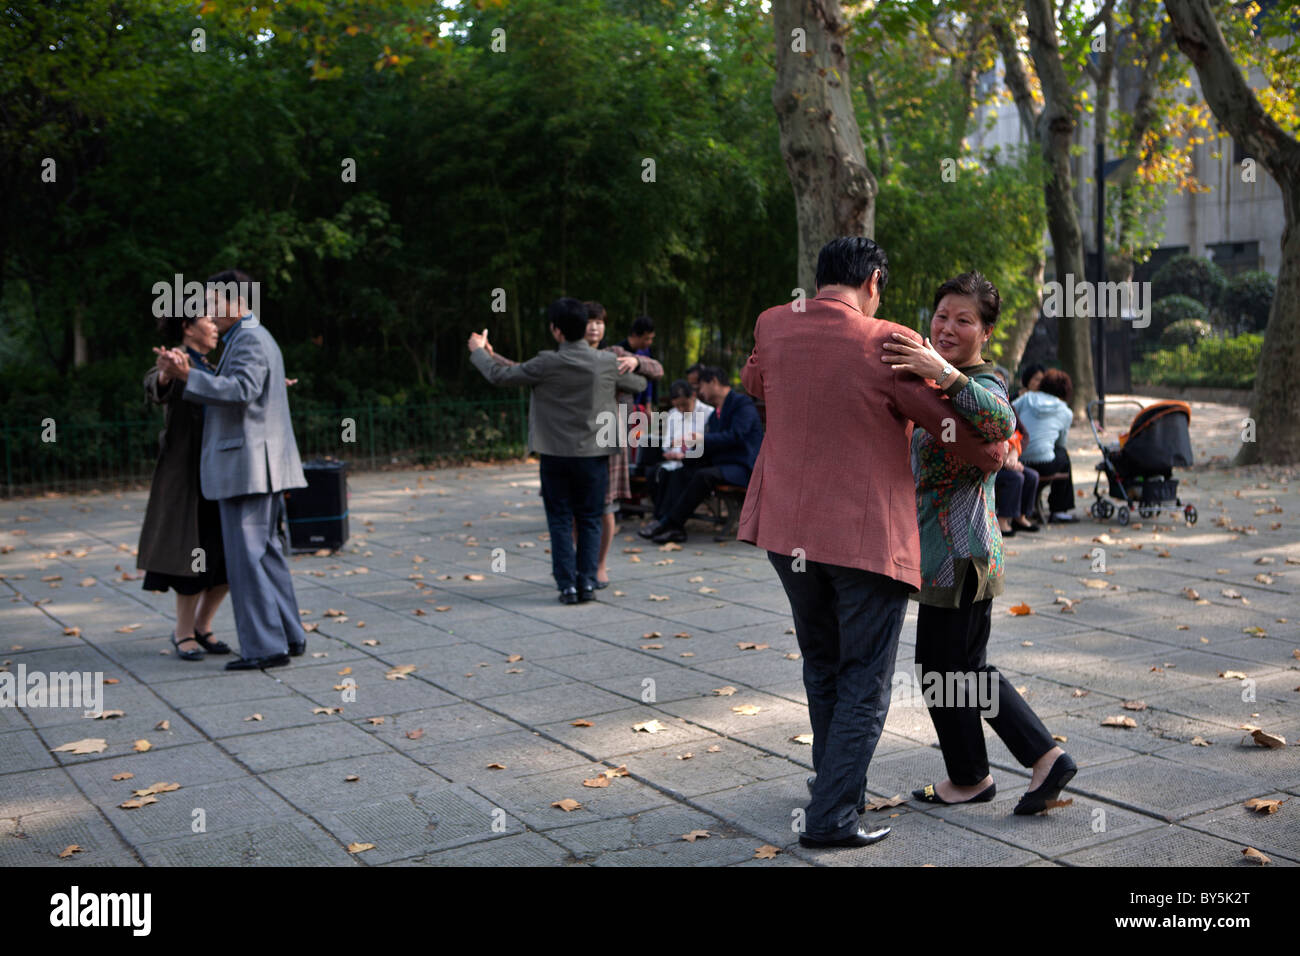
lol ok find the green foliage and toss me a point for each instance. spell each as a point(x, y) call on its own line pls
point(1164, 313)
point(1190, 332)
point(1247, 300)
point(1192, 276)
point(1214, 363)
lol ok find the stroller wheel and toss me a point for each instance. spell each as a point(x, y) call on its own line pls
point(1147, 511)
point(1189, 512)
point(1095, 510)
point(1122, 515)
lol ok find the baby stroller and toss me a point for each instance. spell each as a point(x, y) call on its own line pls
point(1139, 468)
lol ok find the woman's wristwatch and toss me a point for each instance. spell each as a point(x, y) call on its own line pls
point(943, 376)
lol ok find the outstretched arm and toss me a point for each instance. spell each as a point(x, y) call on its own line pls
point(984, 405)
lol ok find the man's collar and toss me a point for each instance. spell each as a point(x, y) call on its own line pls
point(838, 297)
point(580, 344)
point(230, 332)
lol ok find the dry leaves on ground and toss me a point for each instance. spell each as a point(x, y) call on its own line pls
point(766, 852)
point(695, 835)
point(1261, 805)
point(747, 710)
point(884, 803)
point(1119, 721)
point(1255, 856)
point(1020, 610)
point(88, 745)
point(649, 726)
point(567, 805)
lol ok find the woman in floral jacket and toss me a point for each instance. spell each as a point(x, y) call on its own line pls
point(961, 565)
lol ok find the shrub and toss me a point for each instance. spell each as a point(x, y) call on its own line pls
point(1246, 300)
point(1215, 363)
point(1191, 276)
point(1190, 332)
point(1164, 313)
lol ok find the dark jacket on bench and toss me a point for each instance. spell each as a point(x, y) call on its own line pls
point(732, 438)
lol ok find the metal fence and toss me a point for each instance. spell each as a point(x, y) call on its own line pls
point(72, 456)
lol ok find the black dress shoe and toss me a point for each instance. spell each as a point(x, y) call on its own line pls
point(298, 649)
point(257, 663)
point(928, 794)
point(861, 838)
point(670, 534)
point(209, 645)
point(586, 594)
point(569, 596)
point(1008, 534)
point(1035, 801)
point(657, 528)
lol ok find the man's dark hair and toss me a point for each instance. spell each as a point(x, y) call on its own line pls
point(711, 373)
point(642, 324)
point(230, 283)
point(696, 368)
point(1029, 372)
point(231, 275)
point(594, 309)
point(851, 260)
point(1057, 382)
point(680, 389)
point(973, 285)
point(569, 315)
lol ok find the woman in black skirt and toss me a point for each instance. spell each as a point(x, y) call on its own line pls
point(180, 543)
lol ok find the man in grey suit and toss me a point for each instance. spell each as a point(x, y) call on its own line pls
point(571, 427)
point(249, 458)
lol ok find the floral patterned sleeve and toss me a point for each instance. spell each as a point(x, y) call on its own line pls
point(982, 401)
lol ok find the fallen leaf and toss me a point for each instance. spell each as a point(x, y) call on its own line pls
point(1119, 721)
point(803, 739)
point(747, 710)
point(399, 672)
point(1020, 610)
point(659, 597)
point(163, 725)
point(619, 771)
point(751, 646)
point(1265, 739)
point(695, 835)
point(1053, 804)
point(652, 647)
point(713, 749)
point(567, 805)
point(601, 781)
point(1097, 584)
point(137, 802)
point(375, 721)
point(1080, 692)
point(724, 691)
point(124, 775)
point(1135, 705)
point(415, 734)
point(1199, 741)
point(443, 607)
point(1232, 675)
point(351, 778)
point(682, 635)
point(513, 658)
point(70, 849)
point(580, 723)
point(89, 745)
point(1026, 643)
point(1060, 738)
point(106, 714)
point(327, 710)
point(496, 766)
point(473, 577)
point(253, 717)
point(1191, 594)
point(157, 788)
point(649, 726)
point(1255, 856)
point(371, 643)
point(1260, 805)
point(884, 803)
point(127, 629)
point(766, 852)
point(360, 847)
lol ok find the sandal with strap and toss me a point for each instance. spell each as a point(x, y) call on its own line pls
point(209, 645)
point(186, 655)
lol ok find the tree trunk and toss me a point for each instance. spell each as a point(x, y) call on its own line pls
point(1023, 322)
point(834, 190)
point(1056, 124)
point(1276, 406)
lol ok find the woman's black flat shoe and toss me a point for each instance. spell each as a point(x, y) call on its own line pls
point(186, 655)
point(1008, 534)
point(1035, 801)
point(211, 646)
point(928, 794)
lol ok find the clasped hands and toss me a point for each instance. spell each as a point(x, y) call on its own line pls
point(172, 364)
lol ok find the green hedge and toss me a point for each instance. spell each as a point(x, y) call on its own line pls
point(1214, 363)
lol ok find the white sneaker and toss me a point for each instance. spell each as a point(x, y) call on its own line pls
point(1063, 517)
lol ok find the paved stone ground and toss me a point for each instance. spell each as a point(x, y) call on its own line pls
point(461, 761)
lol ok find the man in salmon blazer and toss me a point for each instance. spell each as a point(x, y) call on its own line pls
point(833, 502)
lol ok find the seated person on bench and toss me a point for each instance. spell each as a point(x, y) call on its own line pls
point(689, 416)
point(730, 448)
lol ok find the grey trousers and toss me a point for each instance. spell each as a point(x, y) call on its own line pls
point(847, 622)
point(261, 588)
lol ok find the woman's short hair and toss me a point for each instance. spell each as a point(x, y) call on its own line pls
point(1029, 372)
point(975, 286)
point(1058, 383)
point(172, 327)
point(681, 389)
